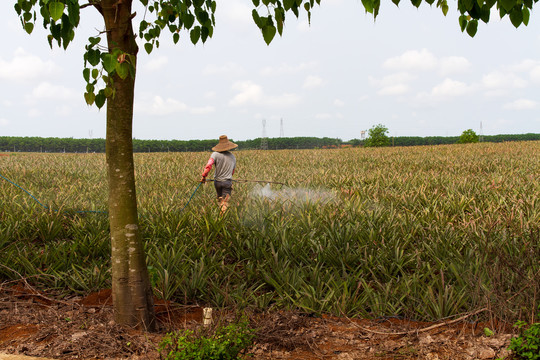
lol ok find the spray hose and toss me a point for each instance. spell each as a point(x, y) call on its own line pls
point(80, 211)
point(105, 212)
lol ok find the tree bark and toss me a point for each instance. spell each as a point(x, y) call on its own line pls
point(131, 289)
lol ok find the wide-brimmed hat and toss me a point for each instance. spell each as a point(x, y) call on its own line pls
point(224, 144)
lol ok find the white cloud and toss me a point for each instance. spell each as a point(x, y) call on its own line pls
point(450, 87)
point(47, 90)
point(502, 80)
point(250, 93)
point(520, 104)
point(393, 84)
point(63, 110)
point(4, 122)
point(453, 65)
point(326, 116)
point(535, 73)
point(159, 106)
point(288, 69)
point(424, 60)
point(34, 113)
point(398, 89)
point(312, 82)
point(156, 63)
point(229, 68)
point(444, 91)
point(524, 66)
point(25, 66)
point(235, 12)
point(339, 103)
point(412, 60)
point(210, 94)
point(202, 110)
point(323, 116)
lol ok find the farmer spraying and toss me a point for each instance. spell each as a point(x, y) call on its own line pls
point(225, 164)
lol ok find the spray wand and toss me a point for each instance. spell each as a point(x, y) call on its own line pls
point(254, 181)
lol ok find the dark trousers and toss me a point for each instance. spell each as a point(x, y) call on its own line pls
point(223, 188)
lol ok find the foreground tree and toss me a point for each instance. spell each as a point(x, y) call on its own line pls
point(468, 136)
point(110, 75)
point(377, 136)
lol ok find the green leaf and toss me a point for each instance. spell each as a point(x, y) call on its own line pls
point(288, 4)
point(516, 17)
point(468, 4)
point(176, 37)
point(56, 9)
point(95, 73)
point(368, 5)
point(28, 27)
point(188, 20)
point(526, 16)
point(89, 98)
point(148, 47)
point(94, 41)
point(485, 13)
point(93, 56)
point(507, 4)
point(86, 74)
point(444, 9)
point(463, 22)
point(269, 31)
point(109, 62)
point(472, 27)
point(100, 99)
point(256, 17)
point(396, 2)
point(416, 3)
point(74, 13)
point(122, 69)
point(108, 91)
point(195, 34)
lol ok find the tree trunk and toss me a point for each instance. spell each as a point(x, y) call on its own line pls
point(131, 289)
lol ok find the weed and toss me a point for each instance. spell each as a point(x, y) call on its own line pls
point(227, 343)
point(527, 344)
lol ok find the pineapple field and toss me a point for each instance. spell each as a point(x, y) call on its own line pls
point(423, 233)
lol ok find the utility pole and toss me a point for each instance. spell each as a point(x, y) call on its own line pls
point(264, 138)
point(481, 137)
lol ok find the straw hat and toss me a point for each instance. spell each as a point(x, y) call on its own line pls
point(224, 144)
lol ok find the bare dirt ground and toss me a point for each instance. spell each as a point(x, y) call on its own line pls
point(36, 324)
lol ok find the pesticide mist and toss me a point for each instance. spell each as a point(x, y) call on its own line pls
point(296, 196)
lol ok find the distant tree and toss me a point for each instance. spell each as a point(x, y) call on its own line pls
point(355, 142)
point(468, 136)
point(377, 136)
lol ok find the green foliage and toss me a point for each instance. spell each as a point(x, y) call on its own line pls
point(416, 232)
point(468, 136)
point(227, 343)
point(377, 136)
point(527, 344)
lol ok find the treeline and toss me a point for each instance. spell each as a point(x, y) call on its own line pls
point(39, 144)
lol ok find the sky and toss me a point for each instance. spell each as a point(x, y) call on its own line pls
point(411, 70)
